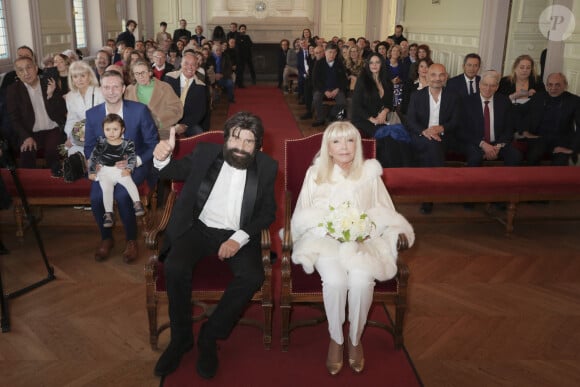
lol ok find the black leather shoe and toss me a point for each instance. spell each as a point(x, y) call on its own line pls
point(207, 362)
point(170, 359)
point(426, 208)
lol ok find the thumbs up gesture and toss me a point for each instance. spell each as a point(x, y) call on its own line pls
point(165, 147)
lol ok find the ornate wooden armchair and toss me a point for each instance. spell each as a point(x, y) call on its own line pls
point(211, 275)
point(301, 288)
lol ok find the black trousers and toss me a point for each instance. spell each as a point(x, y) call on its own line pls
point(195, 244)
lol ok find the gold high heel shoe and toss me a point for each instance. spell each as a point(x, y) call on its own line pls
point(356, 358)
point(334, 358)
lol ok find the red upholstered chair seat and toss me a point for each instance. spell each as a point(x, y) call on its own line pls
point(301, 288)
point(211, 276)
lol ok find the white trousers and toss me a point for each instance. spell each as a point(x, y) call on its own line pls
point(338, 286)
point(108, 177)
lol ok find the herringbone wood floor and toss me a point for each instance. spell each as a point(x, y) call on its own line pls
point(484, 310)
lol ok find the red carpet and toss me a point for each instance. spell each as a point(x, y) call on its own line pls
point(243, 359)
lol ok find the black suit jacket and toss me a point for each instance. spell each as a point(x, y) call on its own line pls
point(198, 170)
point(196, 106)
point(418, 112)
point(320, 73)
point(564, 133)
point(471, 131)
point(21, 111)
point(459, 86)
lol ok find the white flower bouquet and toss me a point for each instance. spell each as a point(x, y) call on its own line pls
point(78, 133)
point(347, 224)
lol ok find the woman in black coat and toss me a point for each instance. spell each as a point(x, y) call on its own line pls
point(372, 100)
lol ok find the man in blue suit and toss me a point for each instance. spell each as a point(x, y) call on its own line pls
point(432, 117)
point(140, 128)
point(304, 64)
point(468, 82)
point(487, 125)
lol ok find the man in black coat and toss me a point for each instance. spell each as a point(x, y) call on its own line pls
point(227, 199)
point(181, 31)
point(127, 35)
point(432, 117)
point(330, 82)
point(553, 123)
point(244, 43)
point(487, 127)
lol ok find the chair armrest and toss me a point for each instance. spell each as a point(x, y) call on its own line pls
point(286, 262)
point(152, 239)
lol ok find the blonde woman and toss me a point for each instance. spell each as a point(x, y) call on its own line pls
point(164, 105)
point(340, 176)
point(84, 94)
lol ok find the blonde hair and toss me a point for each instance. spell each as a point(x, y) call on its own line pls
point(80, 67)
point(323, 159)
point(533, 73)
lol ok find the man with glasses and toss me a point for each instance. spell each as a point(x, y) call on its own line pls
point(141, 129)
point(160, 65)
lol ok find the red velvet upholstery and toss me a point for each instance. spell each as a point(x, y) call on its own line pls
point(211, 276)
point(299, 287)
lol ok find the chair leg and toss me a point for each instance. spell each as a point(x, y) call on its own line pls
point(19, 220)
point(286, 309)
point(267, 325)
point(400, 309)
point(152, 316)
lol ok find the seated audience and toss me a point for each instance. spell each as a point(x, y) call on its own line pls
point(284, 46)
point(339, 177)
point(553, 124)
point(423, 51)
point(291, 67)
point(468, 82)
point(521, 86)
point(223, 71)
point(371, 103)
point(160, 66)
point(421, 81)
point(398, 35)
point(318, 54)
point(102, 61)
point(398, 74)
point(329, 82)
point(163, 103)
point(486, 129)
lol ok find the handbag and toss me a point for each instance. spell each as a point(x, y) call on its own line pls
point(74, 167)
point(393, 128)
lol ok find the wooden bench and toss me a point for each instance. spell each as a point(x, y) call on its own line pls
point(483, 185)
point(43, 190)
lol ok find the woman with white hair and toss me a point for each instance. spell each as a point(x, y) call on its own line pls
point(84, 94)
point(346, 227)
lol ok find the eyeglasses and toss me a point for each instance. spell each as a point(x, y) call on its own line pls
point(141, 73)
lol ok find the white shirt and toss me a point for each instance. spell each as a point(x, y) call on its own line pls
point(467, 84)
point(434, 108)
point(224, 204)
point(42, 120)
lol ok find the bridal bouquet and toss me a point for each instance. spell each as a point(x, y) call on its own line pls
point(78, 132)
point(347, 224)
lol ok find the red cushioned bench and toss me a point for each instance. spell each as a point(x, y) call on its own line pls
point(483, 184)
point(43, 190)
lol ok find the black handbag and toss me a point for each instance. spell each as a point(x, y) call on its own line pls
point(74, 167)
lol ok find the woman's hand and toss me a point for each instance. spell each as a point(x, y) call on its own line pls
point(126, 172)
point(50, 88)
point(92, 176)
point(28, 145)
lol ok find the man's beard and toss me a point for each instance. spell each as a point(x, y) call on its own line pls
point(240, 159)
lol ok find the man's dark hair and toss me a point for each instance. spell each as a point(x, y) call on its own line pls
point(243, 25)
point(472, 55)
point(246, 121)
point(331, 46)
point(163, 24)
point(129, 22)
point(399, 26)
point(113, 73)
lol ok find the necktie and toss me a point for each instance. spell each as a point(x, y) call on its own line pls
point(184, 91)
point(486, 123)
point(471, 90)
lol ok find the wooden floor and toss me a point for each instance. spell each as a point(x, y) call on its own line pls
point(484, 310)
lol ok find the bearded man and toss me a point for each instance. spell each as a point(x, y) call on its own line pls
point(227, 199)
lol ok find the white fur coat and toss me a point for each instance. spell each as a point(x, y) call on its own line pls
point(378, 254)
